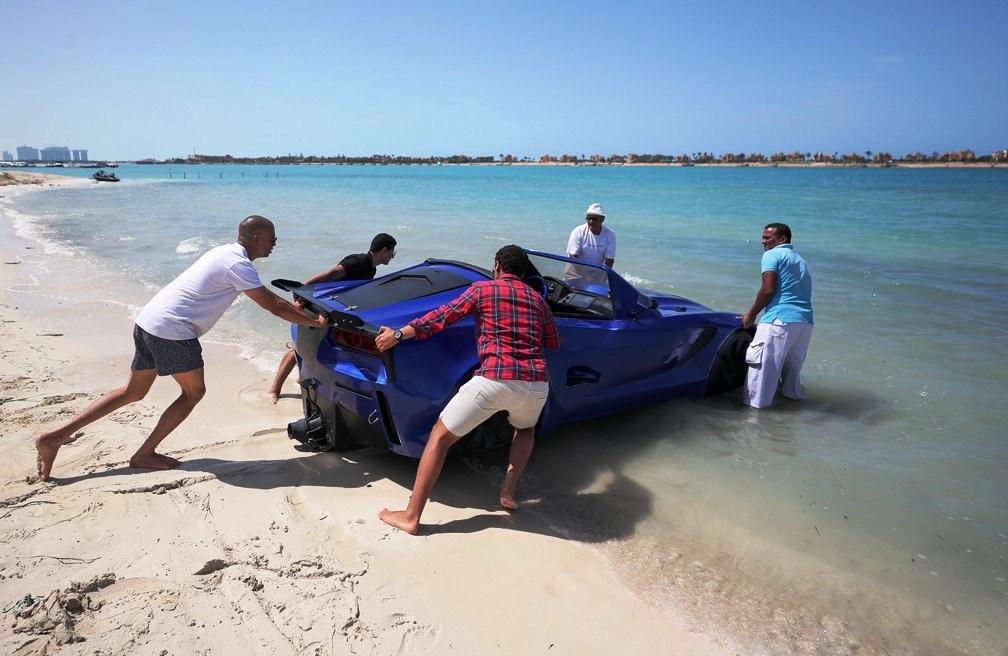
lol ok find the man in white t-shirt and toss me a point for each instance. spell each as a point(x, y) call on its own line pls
point(166, 339)
point(593, 242)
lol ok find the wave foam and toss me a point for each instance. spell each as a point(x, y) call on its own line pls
point(31, 228)
point(637, 281)
point(193, 245)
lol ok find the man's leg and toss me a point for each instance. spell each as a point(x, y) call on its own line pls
point(283, 370)
point(526, 404)
point(193, 389)
point(48, 444)
point(799, 336)
point(431, 462)
point(518, 457)
point(762, 379)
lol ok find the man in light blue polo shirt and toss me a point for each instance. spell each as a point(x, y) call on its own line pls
point(778, 349)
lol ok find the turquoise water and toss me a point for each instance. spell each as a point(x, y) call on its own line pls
point(884, 495)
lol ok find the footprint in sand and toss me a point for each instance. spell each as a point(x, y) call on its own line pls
point(11, 383)
point(127, 416)
point(132, 414)
point(61, 398)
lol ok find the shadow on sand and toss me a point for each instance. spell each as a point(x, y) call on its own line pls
point(574, 487)
point(584, 497)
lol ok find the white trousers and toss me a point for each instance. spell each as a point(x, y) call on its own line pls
point(775, 357)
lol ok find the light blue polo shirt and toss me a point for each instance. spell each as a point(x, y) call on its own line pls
point(792, 302)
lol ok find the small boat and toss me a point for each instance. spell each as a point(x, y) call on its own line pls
point(102, 176)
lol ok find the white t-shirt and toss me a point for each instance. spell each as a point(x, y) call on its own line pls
point(192, 303)
point(586, 245)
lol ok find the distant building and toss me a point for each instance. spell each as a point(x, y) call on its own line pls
point(80, 155)
point(209, 159)
point(27, 154)
point(7, 157)
point(55, 154)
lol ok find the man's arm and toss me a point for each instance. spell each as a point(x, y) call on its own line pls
point(573, 245)
point(763, 296)
point(386, 337)
point(433, 322)
point(332, 275)
point(287, 311)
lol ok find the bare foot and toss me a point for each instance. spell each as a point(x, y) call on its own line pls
point(153, 461)
point(273, 396)
point(507, 500)
point(398, 519)
point(47, 446)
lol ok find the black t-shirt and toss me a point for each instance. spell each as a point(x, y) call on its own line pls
point(358, 267)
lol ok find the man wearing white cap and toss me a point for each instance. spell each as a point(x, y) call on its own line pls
point(592, 242)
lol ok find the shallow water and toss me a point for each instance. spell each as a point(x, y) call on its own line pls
point(874, 512)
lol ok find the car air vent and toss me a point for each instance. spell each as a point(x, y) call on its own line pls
point(386, 417)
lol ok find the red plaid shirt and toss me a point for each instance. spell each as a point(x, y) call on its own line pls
point(513, 324)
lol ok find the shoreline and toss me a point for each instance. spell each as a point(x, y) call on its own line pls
point(34, 179)
point(311, 566)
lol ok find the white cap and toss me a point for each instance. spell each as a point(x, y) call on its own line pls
point(596, 210)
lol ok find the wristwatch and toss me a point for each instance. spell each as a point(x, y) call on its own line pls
point(397, 335)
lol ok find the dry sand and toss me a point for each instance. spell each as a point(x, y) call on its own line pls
point(252, 546)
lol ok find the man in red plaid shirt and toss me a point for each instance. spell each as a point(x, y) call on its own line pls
point(513, 324)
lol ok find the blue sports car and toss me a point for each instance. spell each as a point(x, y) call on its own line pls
point(620, 347)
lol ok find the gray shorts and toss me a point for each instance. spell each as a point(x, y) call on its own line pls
point(167, 356)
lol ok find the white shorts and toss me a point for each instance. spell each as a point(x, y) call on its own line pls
point(480, 398)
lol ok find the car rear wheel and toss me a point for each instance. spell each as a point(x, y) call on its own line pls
point(729, 369)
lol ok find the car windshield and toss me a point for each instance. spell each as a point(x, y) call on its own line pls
point(582, 277)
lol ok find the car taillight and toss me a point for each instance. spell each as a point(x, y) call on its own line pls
point(354, 341)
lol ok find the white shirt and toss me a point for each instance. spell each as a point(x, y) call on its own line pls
point(192, 303)
point(586, 245)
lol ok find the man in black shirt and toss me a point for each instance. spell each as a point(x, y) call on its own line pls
point(360, 266)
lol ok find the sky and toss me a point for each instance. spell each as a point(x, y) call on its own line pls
point(156, 79)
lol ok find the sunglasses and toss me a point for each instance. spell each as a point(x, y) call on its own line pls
point(600, 219)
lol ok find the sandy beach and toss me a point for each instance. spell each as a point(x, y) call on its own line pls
point(252, 546)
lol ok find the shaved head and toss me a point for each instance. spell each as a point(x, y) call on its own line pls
point(253, 225)
point(258, 235)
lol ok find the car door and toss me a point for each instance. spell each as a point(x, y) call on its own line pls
point(605, 364)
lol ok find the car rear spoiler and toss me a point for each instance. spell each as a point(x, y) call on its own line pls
point(337, 318)
point(341, 320)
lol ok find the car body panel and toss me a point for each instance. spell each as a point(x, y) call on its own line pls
point(620, 347)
